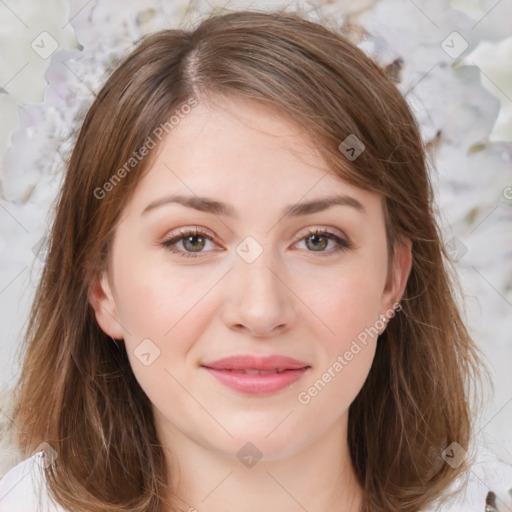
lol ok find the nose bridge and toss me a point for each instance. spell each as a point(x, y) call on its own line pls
point(259, 298)
point(260, 277)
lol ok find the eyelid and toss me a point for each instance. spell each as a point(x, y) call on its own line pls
point(188, 231)
point(342, 241)
point(309, 230)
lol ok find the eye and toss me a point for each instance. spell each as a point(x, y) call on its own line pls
point(317, 240)
point(194, 241)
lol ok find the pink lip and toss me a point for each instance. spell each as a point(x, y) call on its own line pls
point(227, 371)
point(247, 361)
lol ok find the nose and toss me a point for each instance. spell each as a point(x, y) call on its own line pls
point(258, 298)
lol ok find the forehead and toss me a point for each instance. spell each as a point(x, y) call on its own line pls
point(233, 128)
point(242, 152)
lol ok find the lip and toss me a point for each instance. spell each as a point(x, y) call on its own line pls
point(250, 362)
point(226, 371)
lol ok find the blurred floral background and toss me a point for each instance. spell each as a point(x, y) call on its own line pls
point(451, 59)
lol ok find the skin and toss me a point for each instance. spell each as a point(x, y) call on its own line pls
point(292, 300)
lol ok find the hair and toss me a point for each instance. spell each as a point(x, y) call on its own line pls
point(77, 391)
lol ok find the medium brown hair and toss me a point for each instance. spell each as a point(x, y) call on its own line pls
point(77, 390)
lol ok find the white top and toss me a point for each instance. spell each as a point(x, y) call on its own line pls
point(21, 489)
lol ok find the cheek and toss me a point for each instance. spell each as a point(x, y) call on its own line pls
point(347, 337)
point(332, 389)
point(164, 311)
point(346, 304)
point(163, 314)
point(155, 299)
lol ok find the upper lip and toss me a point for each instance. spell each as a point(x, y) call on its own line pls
point(250, 362)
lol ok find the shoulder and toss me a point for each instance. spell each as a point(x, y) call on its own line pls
point(23, 488)
point(487, 474)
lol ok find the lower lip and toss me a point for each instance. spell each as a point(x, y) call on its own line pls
point(257, 384)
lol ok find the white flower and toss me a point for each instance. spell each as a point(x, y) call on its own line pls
point(30, 33)
point(494, 62)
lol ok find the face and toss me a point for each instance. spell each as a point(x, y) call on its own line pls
point(191, 284)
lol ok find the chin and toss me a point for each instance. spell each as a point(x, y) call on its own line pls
point(268, 444)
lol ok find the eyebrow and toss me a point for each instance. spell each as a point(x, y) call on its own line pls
point(208, 205)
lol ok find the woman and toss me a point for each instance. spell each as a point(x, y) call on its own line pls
point(246, 281)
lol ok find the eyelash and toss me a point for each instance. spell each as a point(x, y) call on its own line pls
point(343, 245)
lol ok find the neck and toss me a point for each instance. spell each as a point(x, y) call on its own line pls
point(315, 478)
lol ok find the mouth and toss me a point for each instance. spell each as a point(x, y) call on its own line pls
point(257, 382)
point(254, 371)
point(259, 362)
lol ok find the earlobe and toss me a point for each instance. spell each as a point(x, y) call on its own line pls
point(102, 301)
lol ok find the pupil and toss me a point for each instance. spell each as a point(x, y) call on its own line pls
point(316, 239)
point(196, 244)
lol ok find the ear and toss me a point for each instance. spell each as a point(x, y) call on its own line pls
point(399, 274)
point(102, 301)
